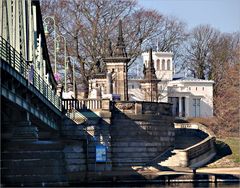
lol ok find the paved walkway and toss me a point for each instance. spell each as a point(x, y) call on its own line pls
point(153, 171)
point(181, 170)
point(220, 170)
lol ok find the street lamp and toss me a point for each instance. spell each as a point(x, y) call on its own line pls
point(74, 80)
point(65, 57)
point(46, 31)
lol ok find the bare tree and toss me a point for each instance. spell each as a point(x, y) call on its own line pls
point(170, 36)
point(197, 50)
point(227, 102)
point(213, 55)
point(88, 25)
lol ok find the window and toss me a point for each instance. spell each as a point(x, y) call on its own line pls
point(196, 107)
point(132, 86)
point(203, 88)
point(189, 88)
point(196, 88)
point(163, 64)
point(158, 64)
point(168, 64)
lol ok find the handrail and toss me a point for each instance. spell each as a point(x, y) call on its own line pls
point(17, 62)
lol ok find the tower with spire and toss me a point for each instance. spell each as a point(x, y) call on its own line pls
point(117, 65)
point(150, 81)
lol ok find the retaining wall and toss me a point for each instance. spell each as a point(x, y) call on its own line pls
point(140, 131)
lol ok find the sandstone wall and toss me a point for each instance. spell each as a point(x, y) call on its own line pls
point(140, 131)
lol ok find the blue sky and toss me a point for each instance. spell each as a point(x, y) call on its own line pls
point(221, 14)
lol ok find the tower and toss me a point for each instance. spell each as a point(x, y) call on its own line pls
point(117, 65)
point(150, 81)
point(163, 64)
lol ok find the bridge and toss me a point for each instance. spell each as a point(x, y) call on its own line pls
point(32, 112)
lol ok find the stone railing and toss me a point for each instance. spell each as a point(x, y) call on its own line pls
point(200, 153)
point(142, 107)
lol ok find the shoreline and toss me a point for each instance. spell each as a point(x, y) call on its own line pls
point(146, 176)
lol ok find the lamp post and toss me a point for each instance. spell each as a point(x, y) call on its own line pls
point(65, 57)
point(47, 33)
point(73, 73)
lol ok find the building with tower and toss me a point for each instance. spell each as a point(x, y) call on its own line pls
point(190, 97)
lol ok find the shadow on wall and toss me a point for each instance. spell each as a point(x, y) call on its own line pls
point(131, 140)
point(222, 149)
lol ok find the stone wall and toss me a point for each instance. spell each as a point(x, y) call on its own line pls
point(133, 132)
point(140, 131)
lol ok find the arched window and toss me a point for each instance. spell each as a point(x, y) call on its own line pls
point(163, 64)
point(168, 64)
point(158, 64)
point(146, 63)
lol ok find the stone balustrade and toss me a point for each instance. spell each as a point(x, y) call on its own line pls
point(86, 104)
point(200, 153)
point(142, 107)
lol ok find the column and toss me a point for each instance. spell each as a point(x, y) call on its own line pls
point(187, 114)
point(180, 106)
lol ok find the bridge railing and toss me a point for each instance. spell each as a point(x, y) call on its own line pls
point(17, 62)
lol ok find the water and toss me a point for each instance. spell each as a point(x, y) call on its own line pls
point(171, 185)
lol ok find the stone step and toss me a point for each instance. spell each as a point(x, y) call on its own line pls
point(79, 133)
point(75, 161)
point(152, 122)
point(32, 155)
point(116, 129)
point(131, 160)
point(133, 154)
point(77, 117)
point(28, 163)
point(76, 168)
point(40, 180)
point(135, 144)
point(32, 171)
point(32, 146)
point(135, 149)
point(171, 161)
point(129, 165)
point(74, 155)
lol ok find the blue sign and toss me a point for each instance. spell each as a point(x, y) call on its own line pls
point(101, 153)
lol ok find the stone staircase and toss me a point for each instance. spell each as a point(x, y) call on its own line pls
point(164, 156)
point(172, 160)
point(76, 116)
point(171, 157)
point(88, 127)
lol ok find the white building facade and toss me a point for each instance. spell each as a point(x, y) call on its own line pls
point(190, 97)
